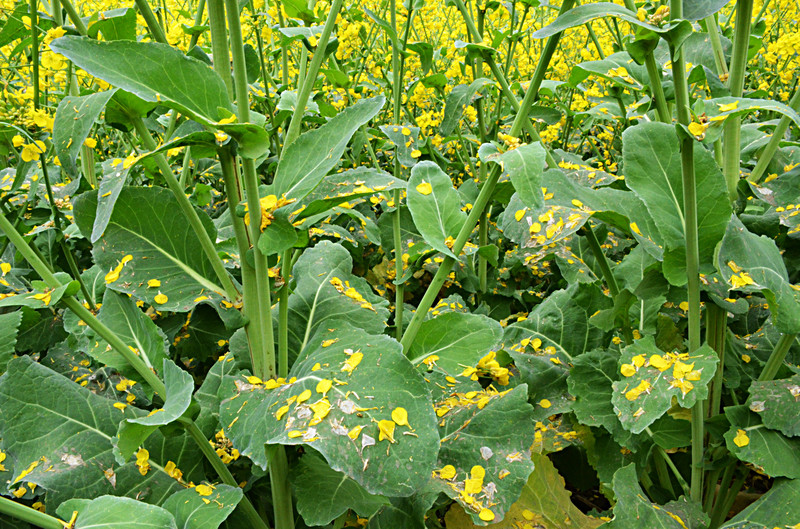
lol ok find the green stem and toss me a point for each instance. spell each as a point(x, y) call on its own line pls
point(711, 485)
point(692, 250)
point(483, 240)
point(74, 17)
point(198, 19)
point(723, 507)
point(311, 77)
point(245, 507)
point(58, 16)
point(219, 43)
point(283, 315)
point(733, 125)
point(152, 22)
point(27, 514)
point(716, 330)
point(777, 357)
point(716, 44)
point(188, 210)
point(34, 14)
point(608, 275)
point(774, 142)
point(657, 90)
point(663, 472)
point(281, 492)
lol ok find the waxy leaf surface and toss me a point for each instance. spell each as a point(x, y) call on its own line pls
point(778, 403)
point(113, 512)
point(458, 339)
point(774, 453)
point(191, 512)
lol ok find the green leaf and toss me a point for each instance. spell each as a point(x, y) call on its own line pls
point(116, 513)
point(192, 512)
point(771, 452)
point(777, 508)
point(120, 314)
point(66, 431)
point(490, 430)
point(633, 509)
point(545, 502)
point(403, 143)
point(651, 154)
point(377, 380)
point(744, 255)
point(279, 235)
point(317, 302)
point(742, 105)
point(110, 187)
point(346, 186)
point(116, 24)
point(580, 15)
point(313, 479)
point(631, 77)
point(458, 98)
point(309, 158)
point(207, 396)
point(180, 386)
point(163, 247)
point(74, 119)
point(458, 339)
point(656, 378)
point(435, 205)
point(9, 325)
point(590, 382)
point(525, 166)
point(700, 9)
point(408, 513)
point(152, 71)
point(778, 403)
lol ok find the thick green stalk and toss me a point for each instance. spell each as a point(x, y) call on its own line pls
point(152, 22)
point(34, 14)
point(774, 142)
point(692, 249)
point(716, 330)
point(74, 17)
point(657, 90)
point(198, 19)
point(716, 44)
point(776, 358)
point(608, 275)
point(732, 128)
point(725, 501)
point(58, 15)
point(80, 311)
point(219, 43)
point(245, 507)
point(397, 79)
point(188, 211)
point(281, 491)
point(27, 514)
point(485, 193)
point(283, 315)
point(311, 77)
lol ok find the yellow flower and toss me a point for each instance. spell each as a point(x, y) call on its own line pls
point(172, 470)
point(32, 151)
point(698, 130)
point(416, 153)
point(90, 142)
point(728, 107)
point(220, 136)
point(741, 438)
point(447, 472)
point(386, 430)
point(204, 490)
point(142, 461)
point(161, 298)
point(18, 141)
point(627, 370)
point(424, 188)
point(486, 515)
point(400, 417)
point(154, 283)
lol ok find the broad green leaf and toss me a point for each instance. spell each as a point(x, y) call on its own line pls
point(114, 512)
point(700, 9)
point(543, 365)
point(485, 449)
point(408, 513)
point(590, 382)
point(577, 16)
point(458, 99)
point(534, 228)
point(617, 68)
point(525, 166)
point(405, 140)
point(721, 108)
point(777, 508)
point(74, 119)
point(435, 205)
point(207, 396)
point(349, 380)
point(778, 403)
point(456, 339)
point(323, 296)
point(633, 510)
point(279, 235)
point(651, 378)
point(110, 187)
point(771, 452)
point(152, 71)
point(652, 160)
point(163, 247)
point(313, 479)
point(120, 314)
point(545, 502)
point(751, 262)
point(309, 158)
point(180, 386)
point(192, 511)
point(115, 24)
point(346, 186)
point(42, 296)
point(9, 325)
point(64, 431)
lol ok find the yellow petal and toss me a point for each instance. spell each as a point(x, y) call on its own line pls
point(400, 416)
point(424, 188)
